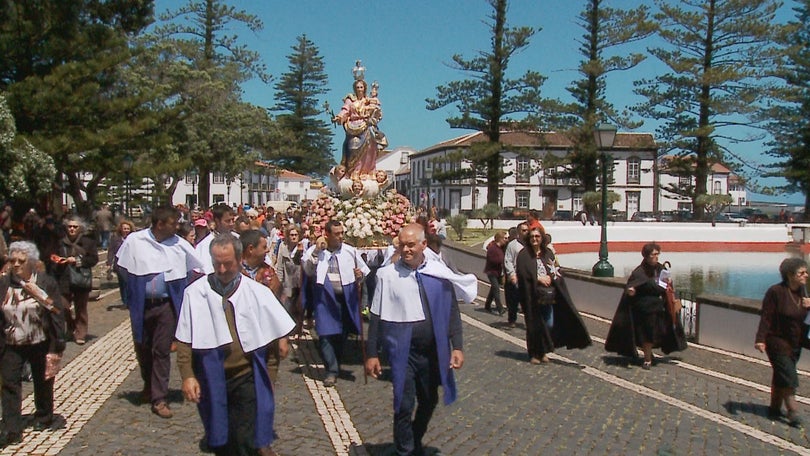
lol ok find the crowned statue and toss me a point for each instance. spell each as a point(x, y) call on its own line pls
point(358, 195)
point(356, 174)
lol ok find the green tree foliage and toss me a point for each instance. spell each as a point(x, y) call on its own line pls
point(488, 214)
point(219, 132)
point(713, 204)
point(63, 71)
point(789, 117)
point(26, 172)
point(489, 101)
point(717, 52)
point(458, 223)
point(297, 91)
point(605, 28)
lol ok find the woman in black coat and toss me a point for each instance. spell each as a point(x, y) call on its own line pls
point(551, 319)
point(642, 320)
point(79, 251)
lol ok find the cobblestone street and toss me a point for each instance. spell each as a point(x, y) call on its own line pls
point(584, 402)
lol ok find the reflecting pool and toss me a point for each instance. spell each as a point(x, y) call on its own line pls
point(741, 274)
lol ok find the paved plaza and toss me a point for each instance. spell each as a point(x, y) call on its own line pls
point(584, 402)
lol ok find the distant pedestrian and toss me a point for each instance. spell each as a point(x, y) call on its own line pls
point(104, 220)
point(72, 263)
point(511, 292)
point(416, 320)
point(225, 332)
point(641, 319)
point(551, 319)
point(288, 268)
point(533, 220)
point(781, 335)
point(124, 229)
point(493, 268)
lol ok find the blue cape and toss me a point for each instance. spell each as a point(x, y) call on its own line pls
point(397, 339)
point(213, 407)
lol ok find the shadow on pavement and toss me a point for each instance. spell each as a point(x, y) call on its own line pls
point(388, 449)
point(736, 407)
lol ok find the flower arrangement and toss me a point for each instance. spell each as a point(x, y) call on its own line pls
point(368, 222)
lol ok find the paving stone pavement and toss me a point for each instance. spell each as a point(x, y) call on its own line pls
point(584, 402)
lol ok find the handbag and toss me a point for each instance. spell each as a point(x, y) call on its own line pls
point(546, 295)
point(81, 278)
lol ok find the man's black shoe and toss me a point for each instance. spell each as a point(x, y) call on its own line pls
point(9, 438)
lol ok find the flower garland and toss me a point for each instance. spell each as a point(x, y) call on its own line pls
point(368, 222)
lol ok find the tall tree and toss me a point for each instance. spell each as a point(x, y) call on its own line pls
point(26, 172)
point(717, 53)
point(789, 117)
point(605, 28)
point(297, 91)
point(62, 67)
point(488, 100)
point(222, 131)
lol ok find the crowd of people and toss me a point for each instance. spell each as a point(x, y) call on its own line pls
point(226, 288)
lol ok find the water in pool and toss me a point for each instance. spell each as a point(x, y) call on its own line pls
point(741, 274)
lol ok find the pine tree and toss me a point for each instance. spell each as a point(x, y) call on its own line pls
point(296, 94)
point(718, 51)
point(221, 132)
point(488, 100)
point(605, 28)
point(789, 117)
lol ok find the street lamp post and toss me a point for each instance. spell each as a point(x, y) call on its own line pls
point(128, 162)
point(194, 200)
point(604, 134)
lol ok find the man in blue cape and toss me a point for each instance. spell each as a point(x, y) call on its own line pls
point(336, 270)
point(156, 265)
point(415, 318)
point(226, 327)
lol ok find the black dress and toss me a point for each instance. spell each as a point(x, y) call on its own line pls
point(643, 318)
point(568, 329)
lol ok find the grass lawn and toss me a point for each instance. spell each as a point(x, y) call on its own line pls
point(473, 237)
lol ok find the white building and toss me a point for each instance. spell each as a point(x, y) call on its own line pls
point(258, 185)
point(531, 186)
point(719, 181)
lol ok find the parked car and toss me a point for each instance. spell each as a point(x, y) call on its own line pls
point(643, 217)
point(674, 216)
point(559, 216)
point(735, 217)
point(511, 212)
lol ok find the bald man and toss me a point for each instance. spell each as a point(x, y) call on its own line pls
point(415, 318)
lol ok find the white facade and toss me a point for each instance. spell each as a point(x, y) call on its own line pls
point(719, 181)
point(257, 186)
point(530, 185)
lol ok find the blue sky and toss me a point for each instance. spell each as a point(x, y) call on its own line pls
point(406, 45)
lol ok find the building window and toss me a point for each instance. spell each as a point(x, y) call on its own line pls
point(684, 181)
point(633, 202)
point(633, 170)
point(522, 170)
point(218, 198)
point(189, 178)
point(717, 188)
point(218, 178)
point(522, 198)
point(577, 202)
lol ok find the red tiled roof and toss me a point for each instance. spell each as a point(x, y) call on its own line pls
point(549, 139)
